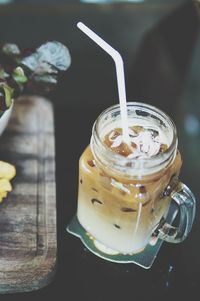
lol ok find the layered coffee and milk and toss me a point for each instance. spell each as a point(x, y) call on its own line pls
point(129, 172)
point(120, 210)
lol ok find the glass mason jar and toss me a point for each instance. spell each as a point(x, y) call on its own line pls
point(122, 201)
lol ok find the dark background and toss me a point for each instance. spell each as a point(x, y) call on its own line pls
point(160, 44)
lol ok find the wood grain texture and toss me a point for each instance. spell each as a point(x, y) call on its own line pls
point(28, 215)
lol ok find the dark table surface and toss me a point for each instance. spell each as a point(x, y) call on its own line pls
point(160, 44)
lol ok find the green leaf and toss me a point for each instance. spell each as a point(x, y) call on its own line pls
point(11, 49)
point(48, 58)
point(3, 74)
point(8, 94)
point(19, 76)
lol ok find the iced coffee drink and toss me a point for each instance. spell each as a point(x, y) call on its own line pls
point(125, 190)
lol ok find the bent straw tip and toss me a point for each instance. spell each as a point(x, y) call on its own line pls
point(79, 24)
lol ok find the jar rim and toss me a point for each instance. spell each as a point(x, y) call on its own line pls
point(149, 163)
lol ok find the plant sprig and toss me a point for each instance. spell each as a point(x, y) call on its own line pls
point(30, 70)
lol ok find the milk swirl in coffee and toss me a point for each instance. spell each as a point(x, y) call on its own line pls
point(144, 142)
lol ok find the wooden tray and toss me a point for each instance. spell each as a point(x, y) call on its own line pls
point(28, 215)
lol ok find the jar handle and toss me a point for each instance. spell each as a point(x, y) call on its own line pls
point(186, 203)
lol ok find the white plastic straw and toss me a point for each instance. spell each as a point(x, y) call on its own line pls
point(120, 76)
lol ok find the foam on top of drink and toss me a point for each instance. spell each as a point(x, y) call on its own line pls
point(145, 142)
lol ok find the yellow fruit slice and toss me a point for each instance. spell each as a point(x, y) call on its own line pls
point(3, 194)
point(5, 185)
point(7, 170)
